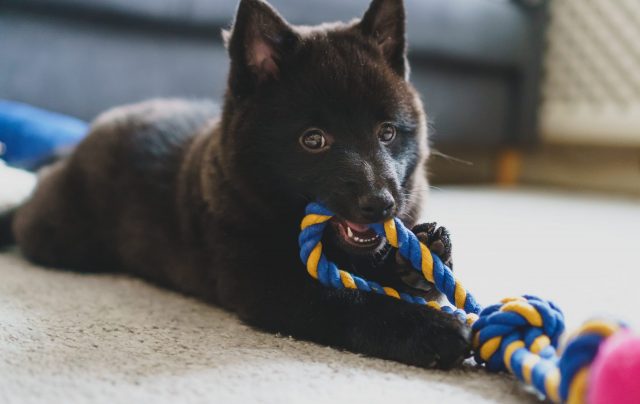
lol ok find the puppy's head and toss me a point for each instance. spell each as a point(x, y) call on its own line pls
point(326, 113)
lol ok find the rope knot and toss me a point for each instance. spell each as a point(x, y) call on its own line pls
point(520, 322)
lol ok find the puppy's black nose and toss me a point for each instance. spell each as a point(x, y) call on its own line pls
point(376, 207)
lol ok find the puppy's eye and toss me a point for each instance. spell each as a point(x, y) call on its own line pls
point(314, 140)
point(386, 133)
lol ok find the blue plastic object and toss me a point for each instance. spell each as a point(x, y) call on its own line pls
point(31, 135)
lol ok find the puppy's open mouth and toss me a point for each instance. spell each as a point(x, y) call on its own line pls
point(360, 236)
point(361, 239)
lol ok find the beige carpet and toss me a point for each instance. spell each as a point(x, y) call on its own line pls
point(69, 338)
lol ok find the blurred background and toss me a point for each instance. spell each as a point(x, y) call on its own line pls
point(517, 91)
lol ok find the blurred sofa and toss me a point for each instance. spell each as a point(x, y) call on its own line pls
point(476, 62)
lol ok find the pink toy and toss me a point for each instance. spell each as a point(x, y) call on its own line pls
point(614, 377)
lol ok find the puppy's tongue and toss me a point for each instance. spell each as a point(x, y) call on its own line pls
point(361, 228)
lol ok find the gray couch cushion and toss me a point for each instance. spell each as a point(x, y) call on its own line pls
point(80, 69)
point(485, 31)
point(82, 56)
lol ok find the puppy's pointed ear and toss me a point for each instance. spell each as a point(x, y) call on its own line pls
point(258, 43)
point(385, 23)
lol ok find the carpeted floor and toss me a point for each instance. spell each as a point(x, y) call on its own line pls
point(69, 338)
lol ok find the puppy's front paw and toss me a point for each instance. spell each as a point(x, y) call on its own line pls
point(435, 340)
point(439, 242)
point(449, 341)
point(437, 239)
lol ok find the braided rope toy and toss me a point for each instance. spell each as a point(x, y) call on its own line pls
point(520, 335)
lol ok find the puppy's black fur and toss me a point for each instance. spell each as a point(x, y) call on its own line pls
point(211, 207)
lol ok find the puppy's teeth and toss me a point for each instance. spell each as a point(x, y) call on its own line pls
point(349, 232)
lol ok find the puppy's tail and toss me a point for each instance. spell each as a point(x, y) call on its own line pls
point(7, 237)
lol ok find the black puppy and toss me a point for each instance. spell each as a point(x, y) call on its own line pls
point(211, 208)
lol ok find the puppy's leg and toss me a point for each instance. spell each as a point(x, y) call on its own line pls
point(362, 322)
point(54, 228)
